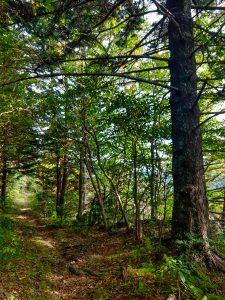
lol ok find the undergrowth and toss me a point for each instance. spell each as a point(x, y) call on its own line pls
point(179, 276)
point(148, 269)
point(9, 242)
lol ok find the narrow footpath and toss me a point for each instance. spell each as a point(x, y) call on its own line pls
point(60, 263)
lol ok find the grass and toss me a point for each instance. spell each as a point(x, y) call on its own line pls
point(36, 257)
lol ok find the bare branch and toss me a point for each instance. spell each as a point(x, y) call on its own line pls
point(208, 7)
point(14, 111)
point(199, 94)
point(215, 113)
point(120, 75)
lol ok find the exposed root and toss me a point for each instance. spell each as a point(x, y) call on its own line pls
point(215, 261)
point(207, 257)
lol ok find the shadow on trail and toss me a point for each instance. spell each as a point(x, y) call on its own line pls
point(58, 263)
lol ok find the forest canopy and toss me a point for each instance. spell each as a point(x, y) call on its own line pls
point(115, 111)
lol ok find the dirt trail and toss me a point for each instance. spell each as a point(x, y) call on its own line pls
point(58, 263)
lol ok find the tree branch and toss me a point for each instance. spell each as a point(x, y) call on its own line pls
point(120, 75)
point(208, 7)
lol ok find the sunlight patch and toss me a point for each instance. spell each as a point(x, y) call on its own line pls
point(25, 209)
point(21, 217)
point(40, 241)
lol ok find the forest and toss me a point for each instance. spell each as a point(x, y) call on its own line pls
point(112, 143)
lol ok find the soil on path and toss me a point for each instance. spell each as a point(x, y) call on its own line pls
point(59, 263)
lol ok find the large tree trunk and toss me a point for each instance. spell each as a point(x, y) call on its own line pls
point(4, 168)
point(152, 181)
point(223, 216)
point(61, 200)
point(81, 203)
point(190, 211)
point(4, 180)
point(138, 221)
point(58, 179)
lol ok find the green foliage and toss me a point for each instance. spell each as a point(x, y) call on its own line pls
point(219, 242)
point(46, 119)
point(147, 269)
point(181, 271)
point(145, 249)
point(175, 274)
point(100, 293)
point(13, 298)
point(6, 223)
point(142, 288)
point(44, 204)
point(9, 241)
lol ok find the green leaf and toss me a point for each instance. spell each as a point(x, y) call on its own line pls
point(182, 277)
point(141, 287)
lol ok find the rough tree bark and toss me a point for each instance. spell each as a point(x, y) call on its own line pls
point(138, 221)
point(61, 200)
point(58, 179)
point(152, 181)
point(4, 169)
point(81, 203)
point(4, 180)
point(190, 211)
